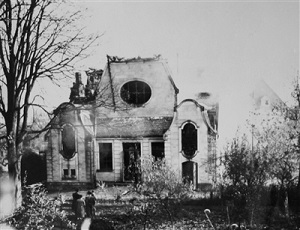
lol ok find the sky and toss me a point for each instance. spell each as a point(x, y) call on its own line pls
point(216, 46)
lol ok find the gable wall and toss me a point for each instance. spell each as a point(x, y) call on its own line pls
point(162, 100)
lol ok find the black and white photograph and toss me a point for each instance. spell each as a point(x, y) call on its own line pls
point(150, 114)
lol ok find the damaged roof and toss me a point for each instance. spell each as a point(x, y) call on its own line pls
point(132, 127)
point(116, 59)
point(140, 60)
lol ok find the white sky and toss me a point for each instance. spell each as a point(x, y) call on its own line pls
point(220, 46)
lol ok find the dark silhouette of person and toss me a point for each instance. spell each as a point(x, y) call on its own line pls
point(76, 197)
point(90, 201)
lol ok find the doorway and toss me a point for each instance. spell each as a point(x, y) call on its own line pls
point(190, 172)
point(132, 161)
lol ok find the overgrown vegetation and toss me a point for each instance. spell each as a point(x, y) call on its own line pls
point(245, 175)
point(154, 203)
point(162, 190)
point(38, 211)
point(190, 215)
point(261, 181)
point(255, 190)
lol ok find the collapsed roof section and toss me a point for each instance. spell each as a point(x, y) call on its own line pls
point(115, 59)
point(85, 94)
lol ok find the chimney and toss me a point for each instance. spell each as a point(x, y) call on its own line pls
point(78, 78)
point(204, 95)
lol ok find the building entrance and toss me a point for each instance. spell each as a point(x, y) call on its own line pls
point(132, 162)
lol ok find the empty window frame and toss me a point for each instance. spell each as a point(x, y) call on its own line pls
point(73, 172)
point(136, 92)
point(68, 139)
point(189, 140)
point(158, 150)
point(66, 172)
point(69, 174)
point(105, 157)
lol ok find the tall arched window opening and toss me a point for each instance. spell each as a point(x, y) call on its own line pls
point(68, 139)
point(189, 140)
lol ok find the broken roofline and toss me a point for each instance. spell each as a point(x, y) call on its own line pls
point(116, 59)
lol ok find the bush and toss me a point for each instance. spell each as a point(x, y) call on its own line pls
point(38, 211)
point(246, 171)
point(162, 188)
point(161, 182)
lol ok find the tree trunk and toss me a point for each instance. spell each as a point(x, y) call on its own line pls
point(14, 171)
point(298, 185)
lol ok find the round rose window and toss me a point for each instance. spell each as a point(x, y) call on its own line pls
point(136, 93)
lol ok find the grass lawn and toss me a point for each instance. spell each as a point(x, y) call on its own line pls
point(119, 209)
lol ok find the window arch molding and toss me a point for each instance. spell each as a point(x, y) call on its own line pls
point(68, 141)
point(189, 135)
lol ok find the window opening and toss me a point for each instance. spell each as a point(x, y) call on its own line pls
point(66, 172)
point(68, 142)
point(73, 172)
point(136, 92)
point(158, 150)
point(132, 161)
point(69, 174)
point(105, 150)
point(189, 140)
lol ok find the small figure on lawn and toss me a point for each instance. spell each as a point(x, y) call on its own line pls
point(77, 205)
point(90, 201)
point(80, 212)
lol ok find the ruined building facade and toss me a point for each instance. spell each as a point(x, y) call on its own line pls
point(125, 114)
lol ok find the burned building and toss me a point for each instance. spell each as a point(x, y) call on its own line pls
point(126, 113)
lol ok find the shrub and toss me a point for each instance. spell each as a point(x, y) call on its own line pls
point(246, 171)
point(162, 188)
point(38, 211)
point(160, 181)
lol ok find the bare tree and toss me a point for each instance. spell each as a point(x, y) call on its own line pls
point(37, 40)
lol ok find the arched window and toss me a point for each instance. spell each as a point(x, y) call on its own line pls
point(189, 143)
point(136, 93)
point(68, 140)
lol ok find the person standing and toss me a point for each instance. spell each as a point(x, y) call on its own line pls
point(90, 201)
point(76, 196)
point(80, 211)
